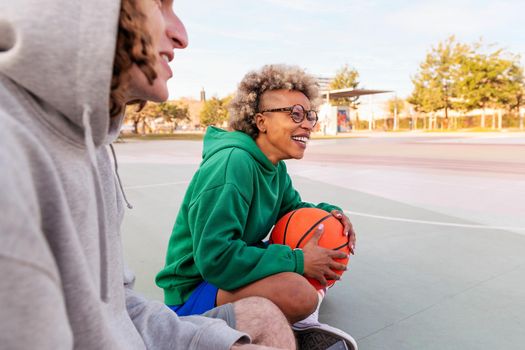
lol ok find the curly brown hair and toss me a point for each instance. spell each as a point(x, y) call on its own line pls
point(246, 102)
point(133, 47)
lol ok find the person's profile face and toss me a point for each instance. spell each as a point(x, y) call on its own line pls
point(167, 33)
point(284, 138)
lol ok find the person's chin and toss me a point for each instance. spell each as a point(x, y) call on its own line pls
point(163, 97)
point(159, 95)
point(298, 155)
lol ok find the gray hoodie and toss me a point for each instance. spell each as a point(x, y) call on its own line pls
point(61, 267)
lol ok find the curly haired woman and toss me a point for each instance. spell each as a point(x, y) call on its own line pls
point(216, 252)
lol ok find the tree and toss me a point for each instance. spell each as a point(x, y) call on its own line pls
point(489, 81)
point(215, 111)
point(140, 115)
point(345, 77)
point(395, 106)
point(171, 112)
point(468, 77)
point(435, 85)
point(517, 90)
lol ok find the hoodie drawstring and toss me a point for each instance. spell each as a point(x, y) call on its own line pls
point(118, 177)
point(101, 206)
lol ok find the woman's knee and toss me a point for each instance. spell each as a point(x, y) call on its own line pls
point(291, 292)
point(301, 297)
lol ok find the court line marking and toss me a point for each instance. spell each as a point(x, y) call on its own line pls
point(381, 217)
point(437, 223)
point(156, 185)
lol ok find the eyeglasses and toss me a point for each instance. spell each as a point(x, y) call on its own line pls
point(297, 113)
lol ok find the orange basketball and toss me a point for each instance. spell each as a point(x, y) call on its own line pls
point(297, 227)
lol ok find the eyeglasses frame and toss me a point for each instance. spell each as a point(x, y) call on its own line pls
point(290, 110)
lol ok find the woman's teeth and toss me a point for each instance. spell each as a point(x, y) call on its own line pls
point(300, 139)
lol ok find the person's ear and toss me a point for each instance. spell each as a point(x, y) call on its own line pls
point(261, 120)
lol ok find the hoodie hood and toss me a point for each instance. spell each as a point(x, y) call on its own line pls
point(62, 53)
point(58, 55)
point(217, 139)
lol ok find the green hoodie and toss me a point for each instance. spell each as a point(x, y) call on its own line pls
point(231, 204)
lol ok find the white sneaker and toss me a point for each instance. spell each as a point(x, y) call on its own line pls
point(321, 336)
point(310, 321)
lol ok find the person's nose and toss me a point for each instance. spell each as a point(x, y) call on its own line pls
point(306, 124)
point(176, 31)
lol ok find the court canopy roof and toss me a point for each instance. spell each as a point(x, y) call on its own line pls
point(341, 93)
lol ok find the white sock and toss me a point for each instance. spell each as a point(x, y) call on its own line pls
point(313, 319)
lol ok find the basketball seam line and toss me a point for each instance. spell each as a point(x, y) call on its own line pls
point(286, 227)
point(341, 246)
point(311, 228)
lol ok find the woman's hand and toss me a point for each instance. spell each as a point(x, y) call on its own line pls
point(319, 262)
point(348, 229)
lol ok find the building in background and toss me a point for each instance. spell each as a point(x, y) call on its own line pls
point(339, 119)
point(324, 82)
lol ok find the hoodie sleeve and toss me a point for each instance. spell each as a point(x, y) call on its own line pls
point(161, 328)
point(221, 256)
point(31, 300)
point(33, 310)
point(292, 200)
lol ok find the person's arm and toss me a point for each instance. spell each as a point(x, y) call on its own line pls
point(32, 306)
point(161, 328)
point(223, 258)
point(33, 311)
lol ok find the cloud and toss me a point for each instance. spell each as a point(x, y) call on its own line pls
point(463, 18)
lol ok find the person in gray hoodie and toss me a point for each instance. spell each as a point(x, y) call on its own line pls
point(67, 69)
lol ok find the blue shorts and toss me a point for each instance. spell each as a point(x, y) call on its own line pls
point(201, 300)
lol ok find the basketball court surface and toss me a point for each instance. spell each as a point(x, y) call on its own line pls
point(440, 256)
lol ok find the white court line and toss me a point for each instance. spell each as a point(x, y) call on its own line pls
point(156, 185)
point(391, 218)
point(437, 223)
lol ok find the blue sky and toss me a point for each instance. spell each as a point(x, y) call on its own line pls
point(384, 40)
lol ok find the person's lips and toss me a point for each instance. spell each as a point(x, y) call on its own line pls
point(301, 140)
point(165, 60)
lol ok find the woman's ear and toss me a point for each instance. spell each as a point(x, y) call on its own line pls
point(260, 121)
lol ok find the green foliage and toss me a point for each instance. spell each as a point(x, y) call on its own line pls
point(396, 105)
point(137, 115)
point(170, 111)
point(515, 93)
point(435, 84)
point(215, 111)
point(345, 77)
point(467, 77)
point(487, 80)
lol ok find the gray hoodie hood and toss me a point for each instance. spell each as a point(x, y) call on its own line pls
point(72, 73)
point(61, 53)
